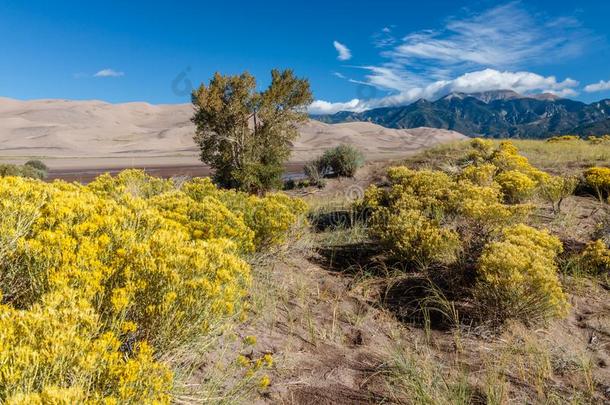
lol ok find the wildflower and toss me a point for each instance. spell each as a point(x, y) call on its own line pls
point(264, 382)
point(250, 340)
point(268, 360)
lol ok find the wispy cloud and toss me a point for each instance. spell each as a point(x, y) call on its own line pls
point(473, 82)
point(490, 50)
point(384, 38)
point(506, 36)
point(599, 86)
point(109, 73)
point(344, 52)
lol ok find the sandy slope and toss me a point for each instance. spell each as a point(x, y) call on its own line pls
point(95, 134)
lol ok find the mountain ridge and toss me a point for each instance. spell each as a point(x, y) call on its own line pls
point(496, 114)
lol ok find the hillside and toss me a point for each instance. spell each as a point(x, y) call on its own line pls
point(500, 114)
point(97, 134)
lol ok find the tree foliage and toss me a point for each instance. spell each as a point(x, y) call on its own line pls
point(244, 134)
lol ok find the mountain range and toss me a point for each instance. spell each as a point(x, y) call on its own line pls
point(496, 114)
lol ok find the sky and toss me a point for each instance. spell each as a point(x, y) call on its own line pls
point(357, 54)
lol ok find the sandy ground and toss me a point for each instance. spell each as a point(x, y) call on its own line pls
point(93, 136)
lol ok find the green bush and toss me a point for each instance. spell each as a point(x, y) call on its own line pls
point(29, 170)
point(37, 164)
point(343, 160)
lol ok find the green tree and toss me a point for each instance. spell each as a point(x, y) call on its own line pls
point(245, 135)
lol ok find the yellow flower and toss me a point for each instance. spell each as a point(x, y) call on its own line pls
point(264, 382)
point(129, 327)
point(268, 359)
point(250, 340)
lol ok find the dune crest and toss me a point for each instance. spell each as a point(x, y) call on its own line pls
point(99, 134)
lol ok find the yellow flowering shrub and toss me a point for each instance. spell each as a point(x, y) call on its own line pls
point(598, 178)
point(412, 218)
point(411, 236)
point(484, 205)
point(482, 149)
point(270, 217)
point(207, 218)
point(97, 281)
point(563, 138)
point(482, 175)
point(57, 352)
point(596, 140)
point(595, 258)
point(516, 186)
point(519, 269)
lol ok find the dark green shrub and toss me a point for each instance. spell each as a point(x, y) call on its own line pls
point(37, 164)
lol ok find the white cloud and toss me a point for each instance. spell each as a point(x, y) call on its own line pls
point(109, 73)
point(505, 36)
point(482, 80)
point(344, 52)
point(599, 86)
point(339, 75)
point(492, 50)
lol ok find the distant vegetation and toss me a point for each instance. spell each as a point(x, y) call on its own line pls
point(34, 169)
point(245, 135)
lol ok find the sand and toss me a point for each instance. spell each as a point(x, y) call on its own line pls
point(81, 135)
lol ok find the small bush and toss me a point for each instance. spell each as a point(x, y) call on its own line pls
point(597, 140)
point(343, 160)
point(412, 237)
point(316, 170)
point(519, 276)
point(556, 188)
point(482, 148)
point(34, 169)
point(595, 259)
point(598, 178)
point(516, 186)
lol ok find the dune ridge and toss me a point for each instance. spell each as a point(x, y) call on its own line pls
point(93, 134)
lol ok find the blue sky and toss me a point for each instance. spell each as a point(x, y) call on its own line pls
point(357, 54)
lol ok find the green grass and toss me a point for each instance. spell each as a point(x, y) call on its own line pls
point(568, 157)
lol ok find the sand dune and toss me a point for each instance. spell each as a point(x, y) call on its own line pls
point(96, 134)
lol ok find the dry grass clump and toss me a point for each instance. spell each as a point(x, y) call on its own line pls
point(99, 282)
